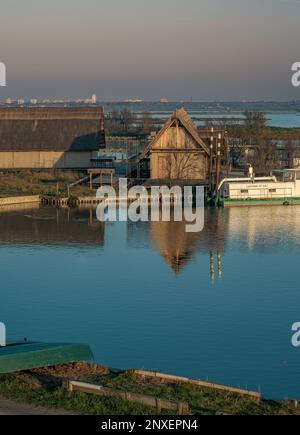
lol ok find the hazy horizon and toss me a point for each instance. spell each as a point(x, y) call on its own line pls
point(207, 50)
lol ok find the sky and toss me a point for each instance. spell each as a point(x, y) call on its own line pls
point(150, 49)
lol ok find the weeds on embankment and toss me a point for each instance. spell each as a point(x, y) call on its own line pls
point(48, 183)
point(43, 387)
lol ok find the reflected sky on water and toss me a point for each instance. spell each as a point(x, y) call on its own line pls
point(219, 304)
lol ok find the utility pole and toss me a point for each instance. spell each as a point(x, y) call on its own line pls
point(218, 164)
point(211, 160)
point(227, 151)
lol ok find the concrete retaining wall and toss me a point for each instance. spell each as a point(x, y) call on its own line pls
point(20, 200)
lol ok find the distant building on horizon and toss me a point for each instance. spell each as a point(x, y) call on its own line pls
point(134, 100)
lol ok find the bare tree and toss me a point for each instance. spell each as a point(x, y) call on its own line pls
point(148, 123)
point(291, 150)
point(127, 119)
point(255, 123)
point(266, 157)
point(181, 166)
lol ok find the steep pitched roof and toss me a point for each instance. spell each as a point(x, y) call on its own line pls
point(51, 129)
point(182, 116)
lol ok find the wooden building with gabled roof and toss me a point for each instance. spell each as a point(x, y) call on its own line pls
point(50, 137)
point(177, 152)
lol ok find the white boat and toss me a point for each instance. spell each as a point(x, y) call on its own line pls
point(281, 185)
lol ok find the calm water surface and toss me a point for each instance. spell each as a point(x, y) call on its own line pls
point(151, 296)
point(284, 120)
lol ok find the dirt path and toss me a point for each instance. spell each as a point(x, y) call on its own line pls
point(8, 407)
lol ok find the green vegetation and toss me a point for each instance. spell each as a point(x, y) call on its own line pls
point(284, 133)
point(256, 143)
point(274, 133)
point(44, 387)
point(48, 183)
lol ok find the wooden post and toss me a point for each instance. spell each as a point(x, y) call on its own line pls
point(139, 170)
point(211, 160)
point(158, 406)
point(181, 408)
point(212, 266)
point(69, 386)
point(218, 164)
point(219, 264)
point(227, 151)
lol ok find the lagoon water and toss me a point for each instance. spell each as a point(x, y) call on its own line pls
point(147, 295)
point(283, 120)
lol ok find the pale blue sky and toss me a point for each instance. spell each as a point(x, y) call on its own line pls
point(205, 49)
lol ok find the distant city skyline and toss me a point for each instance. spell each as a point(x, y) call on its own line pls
point(208, 50)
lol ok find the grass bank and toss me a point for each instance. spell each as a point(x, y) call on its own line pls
point(43, 387)
point(48, 183)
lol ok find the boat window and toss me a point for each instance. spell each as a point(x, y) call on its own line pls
point(272, 190)
point(298, 176)
point(289, 176)
point(244, 191)
point(279, 176)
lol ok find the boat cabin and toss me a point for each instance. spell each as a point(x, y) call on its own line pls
point(281, 185)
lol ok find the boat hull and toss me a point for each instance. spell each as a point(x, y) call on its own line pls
point(25, 356)
point(260, 202)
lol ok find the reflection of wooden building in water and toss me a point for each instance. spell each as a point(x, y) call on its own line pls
point(241, 229)
point(177, 246)
point(51, 226)
point(173, 242)
point(177, 152)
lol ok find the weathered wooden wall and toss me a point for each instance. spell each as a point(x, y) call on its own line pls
point(46, 159)
point(190, 165)
point(177, 155)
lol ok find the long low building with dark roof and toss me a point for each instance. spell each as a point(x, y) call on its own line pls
point(50, 138)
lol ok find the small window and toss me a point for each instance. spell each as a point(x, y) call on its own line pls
point(272, 190)
point(244, 191)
